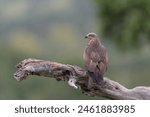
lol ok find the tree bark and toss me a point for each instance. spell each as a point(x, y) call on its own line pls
point(79, 79)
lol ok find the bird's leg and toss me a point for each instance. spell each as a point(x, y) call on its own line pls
point(95, 78)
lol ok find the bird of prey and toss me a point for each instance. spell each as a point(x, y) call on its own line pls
point(95, 58)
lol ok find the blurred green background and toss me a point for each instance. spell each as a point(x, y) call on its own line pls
point(54, 30)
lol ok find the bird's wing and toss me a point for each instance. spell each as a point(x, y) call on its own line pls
point(103, 60)
point(98, 61)
point(88, 60)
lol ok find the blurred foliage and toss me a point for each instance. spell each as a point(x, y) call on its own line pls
point(49, 30)
point(125, 22)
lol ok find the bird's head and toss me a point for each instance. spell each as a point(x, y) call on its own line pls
point(91, 35)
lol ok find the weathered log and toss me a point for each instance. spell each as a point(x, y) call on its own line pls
point(79, 79)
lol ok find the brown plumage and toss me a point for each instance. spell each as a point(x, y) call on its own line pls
point(95, 58)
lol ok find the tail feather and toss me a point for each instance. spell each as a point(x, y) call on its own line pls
point(95, 78)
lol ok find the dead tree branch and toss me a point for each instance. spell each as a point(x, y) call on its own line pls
point(78, 78)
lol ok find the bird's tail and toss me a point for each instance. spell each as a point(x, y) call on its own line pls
point(95, 78)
